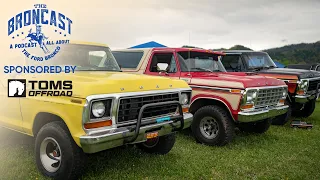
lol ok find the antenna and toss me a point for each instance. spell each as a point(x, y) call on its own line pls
point(189, 56)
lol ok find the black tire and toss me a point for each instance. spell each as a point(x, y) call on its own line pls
point(306, 111)
point(160, 145)
point(222, 119)
point(255, 127)
point(282, 119)
point(72, 157)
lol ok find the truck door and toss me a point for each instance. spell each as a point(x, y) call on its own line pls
point(163, 57)
point(10, 113)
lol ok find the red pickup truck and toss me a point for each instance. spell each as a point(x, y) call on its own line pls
point(220, 100)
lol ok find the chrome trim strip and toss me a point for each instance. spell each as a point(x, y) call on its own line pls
point(102, 96)
point(315, 78)
point(214, 88)
point(267, 87)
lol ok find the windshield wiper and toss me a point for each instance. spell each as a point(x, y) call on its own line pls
point(261, 68)
point(202, 69)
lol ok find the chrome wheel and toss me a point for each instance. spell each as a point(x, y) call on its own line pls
point(209, 127)
point(50, 154)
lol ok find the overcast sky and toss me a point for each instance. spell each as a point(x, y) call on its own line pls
point(258, 24)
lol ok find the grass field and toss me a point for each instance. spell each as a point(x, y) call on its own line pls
point(281, 153)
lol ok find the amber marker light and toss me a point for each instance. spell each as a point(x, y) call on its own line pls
point(92, 125)
point(236, 91)
point(281, 101)
point(300, 92)
point(247, 106)
point(185, 109)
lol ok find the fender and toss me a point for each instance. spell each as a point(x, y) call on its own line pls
point(233, 113)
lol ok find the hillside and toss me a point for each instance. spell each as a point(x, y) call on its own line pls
point(296, 53)
point(290, 54)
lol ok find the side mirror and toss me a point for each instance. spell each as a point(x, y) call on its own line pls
point(162, 67)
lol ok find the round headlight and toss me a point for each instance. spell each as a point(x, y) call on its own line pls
point(284, 93)
point(98, 109)
point(251, 96)
point(304, 85)
point(184, 99)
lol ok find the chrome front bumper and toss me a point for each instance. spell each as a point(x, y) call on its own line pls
point(117, 137)
point(262, 114)
point(311, 95)
point(305, 98)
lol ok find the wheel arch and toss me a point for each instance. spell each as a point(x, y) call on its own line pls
point(204, 101)
point(43, 118)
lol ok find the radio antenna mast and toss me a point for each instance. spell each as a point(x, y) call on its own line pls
point(189, 59)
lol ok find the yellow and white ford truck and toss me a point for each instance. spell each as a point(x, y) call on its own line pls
point(106, 108)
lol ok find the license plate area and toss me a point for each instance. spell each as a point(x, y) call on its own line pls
point(152, 135)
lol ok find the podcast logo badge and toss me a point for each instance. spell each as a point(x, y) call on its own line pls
point(39, 28)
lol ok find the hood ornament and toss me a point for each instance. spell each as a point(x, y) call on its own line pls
point(170, 85)
point(157, 86)
point(122, 89)
point(141, 87)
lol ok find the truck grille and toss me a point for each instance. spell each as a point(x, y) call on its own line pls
point(129, 107)
point(268, 97)
point(313, 84)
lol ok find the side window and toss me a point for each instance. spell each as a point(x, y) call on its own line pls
point(232, 63)
point(163, 58)
point(128, 59)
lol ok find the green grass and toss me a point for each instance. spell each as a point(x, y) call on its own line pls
point(281, 153)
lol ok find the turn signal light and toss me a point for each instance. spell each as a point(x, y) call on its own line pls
point(247, 106)
point(300, 92)
point(281, 101)
point(185, 109)
point(92, 125)
point(236, 91)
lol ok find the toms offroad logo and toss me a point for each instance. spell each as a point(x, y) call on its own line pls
point(39, 28)
point(18, 88)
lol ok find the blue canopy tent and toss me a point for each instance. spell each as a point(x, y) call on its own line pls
point(150, 44)
point(279, 65)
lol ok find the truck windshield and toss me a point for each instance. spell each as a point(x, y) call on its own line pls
point(85, 57)
point(258, 60)
point(191, 61)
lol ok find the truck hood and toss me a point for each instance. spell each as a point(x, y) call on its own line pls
point(300, 73)
point(234, 80)
point(92, 83)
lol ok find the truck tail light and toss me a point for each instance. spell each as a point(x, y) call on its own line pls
point(92, 125)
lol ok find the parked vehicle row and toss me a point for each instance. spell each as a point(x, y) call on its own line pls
point(221, 100)
point(161, 91)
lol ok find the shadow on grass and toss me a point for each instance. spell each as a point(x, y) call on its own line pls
point(9, 138)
